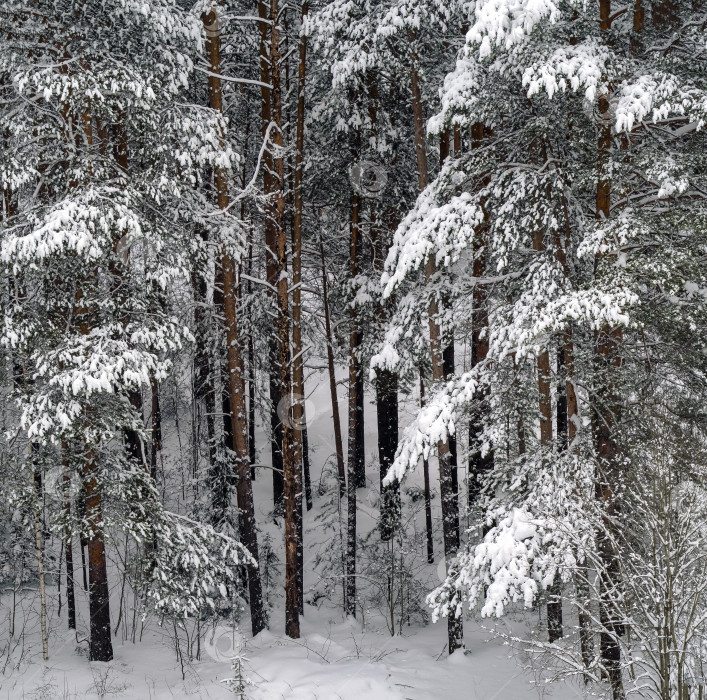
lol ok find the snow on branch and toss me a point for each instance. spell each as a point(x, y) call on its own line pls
point(434, 423)
point(436, 225)
point(507, 22)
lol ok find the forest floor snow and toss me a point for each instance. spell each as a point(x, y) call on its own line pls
point(333, 660)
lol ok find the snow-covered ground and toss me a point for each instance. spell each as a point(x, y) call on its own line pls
point(332, 660)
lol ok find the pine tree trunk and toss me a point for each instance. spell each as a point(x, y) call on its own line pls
point(567, 425)
point(271, 267)
point(299, 416)
point(100, 644)
point(448, 356)
point(119, 269)
point(40, 559)
point(236, 384)
point(357, 465)
point(455, 632)
point(554, 604)
point(156, 420)
point(219, 477)
point(70, 593)
point(354, 476)
point(387, 419)
point(448, 362)
point(251, 406)
point(291, 465)
point(428, 497)
point(479, 465)
point(350, 593)
point(386, 384)
point(251, 378)
point(101, 647)
point(609, 471)
point(338, 443)
point(204, 389)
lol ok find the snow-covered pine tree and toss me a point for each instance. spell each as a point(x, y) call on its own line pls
point(552, 85)
point(102, 165)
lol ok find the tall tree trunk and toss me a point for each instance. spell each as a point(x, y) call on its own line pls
point(219, 476)
point(120, 268)
point(448, 363)
point(204, 376)
point(251, 378)
point(271, 266)
point(70, 593)
point(554, 603)
point(156, 420)
point(455, 632)
point(609, 470)
point(338, 443)
point(251, 406)
point(100, 644)
point(561, 402)
point(39, 551)
point(354, 475)
point(299, 416)
point(291, 467)
point(387, 419)
point(479, 465)
point(448, 356)
point(386, 384)
point(357, 463)
point(101, 647)
point(236, 384)
point(428, 497)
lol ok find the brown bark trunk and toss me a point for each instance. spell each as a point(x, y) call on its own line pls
point(100, 645)
point(609, 472)
point(386, 384)
point(271, 265)
point(299, 417)
point(300, 446)
point(236, 384)
point(338, 443)
point(251, 380)
point(455, 632)
point(156, 420)
point(39, 551)
point(357, 464)
point(119, 269)
point(428, 498)
point(291, 467)
point(479, 465)
point(354, 471)
point(251, 407)
point(70, 593)
point(554, 603)
point(387, 423)
point(204, 391)
point(448, 360)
